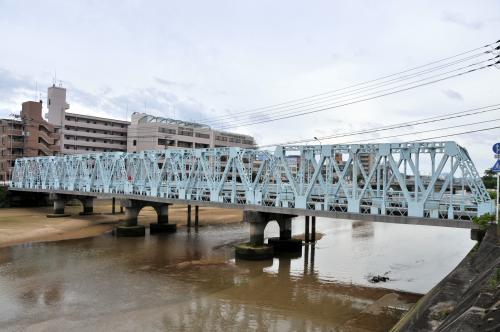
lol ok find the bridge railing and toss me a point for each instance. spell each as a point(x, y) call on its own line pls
point(357, 178)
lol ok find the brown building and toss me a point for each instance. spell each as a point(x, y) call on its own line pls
point(28, 136)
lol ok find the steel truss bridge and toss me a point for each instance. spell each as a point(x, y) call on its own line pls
point(432, 183)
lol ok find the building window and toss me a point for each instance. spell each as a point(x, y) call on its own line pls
point(200, 135)
point(135, 142)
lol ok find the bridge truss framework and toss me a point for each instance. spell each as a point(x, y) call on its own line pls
point(320, 178)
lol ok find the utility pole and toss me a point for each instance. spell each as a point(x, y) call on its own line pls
point(498, 198)
point(496, 169)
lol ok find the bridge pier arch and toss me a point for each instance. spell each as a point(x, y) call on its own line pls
point(131, 225)
point(131, 228)
point(162, 226)
point(256, 248)
point(88, 205)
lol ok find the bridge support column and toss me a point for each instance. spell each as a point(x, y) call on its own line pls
point(188, 223)
point(130, 226)
point(313, 229)
point(59, 205)
point(162, 226)
point(88, 205)
point(255, 249)
point(284, 243)
point(306, 229)
point(196, 216)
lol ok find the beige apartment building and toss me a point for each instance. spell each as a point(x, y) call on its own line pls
point(147, 132)
point(27, 136)
point(84, 133)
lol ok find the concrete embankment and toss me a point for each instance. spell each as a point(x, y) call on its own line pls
point(468, 299)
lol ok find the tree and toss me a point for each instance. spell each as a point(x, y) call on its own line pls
point(489, 179)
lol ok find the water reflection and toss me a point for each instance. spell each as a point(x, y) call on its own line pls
point(363, 229)
point(190, 280)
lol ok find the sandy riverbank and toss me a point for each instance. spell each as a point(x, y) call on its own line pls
point(24, 225)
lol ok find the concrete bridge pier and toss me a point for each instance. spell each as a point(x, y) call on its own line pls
point(131, 226)
point(256, 249)
point(162, 226)
point(59, 206)
point(88, 205)
point(285, 243)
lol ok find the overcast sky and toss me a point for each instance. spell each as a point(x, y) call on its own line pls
point(205, 58)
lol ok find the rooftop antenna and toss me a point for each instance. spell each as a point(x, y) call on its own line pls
point(54, 80)
point(37, 95)
point(126, 113)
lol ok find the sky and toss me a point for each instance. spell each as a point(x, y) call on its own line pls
point(195, 60)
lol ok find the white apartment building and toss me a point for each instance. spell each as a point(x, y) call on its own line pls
point(83, 133)
point(147, 132)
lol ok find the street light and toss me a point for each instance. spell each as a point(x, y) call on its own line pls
point(320, 145)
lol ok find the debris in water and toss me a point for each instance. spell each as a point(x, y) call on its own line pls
point(376, 279)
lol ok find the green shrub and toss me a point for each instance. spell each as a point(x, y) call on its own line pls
point(495, 279)
point(484, 220)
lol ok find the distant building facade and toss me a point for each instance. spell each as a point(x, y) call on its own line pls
point(147, 132)
point(28, 136)
point(367, 160)
point(83, 133)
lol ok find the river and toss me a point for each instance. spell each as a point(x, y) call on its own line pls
point(189, 281)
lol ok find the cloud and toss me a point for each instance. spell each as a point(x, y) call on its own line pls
point(453, 94)
point(170, 83)
point(150, 100)
point(11, 86)
point(460, 20)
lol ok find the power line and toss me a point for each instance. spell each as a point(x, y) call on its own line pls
point(349, 92)
point(457, 134)
point(449, 135)
point(424, 131)
point(310, 111)
point(290, 111)
point(438, 118)
point(360, 83)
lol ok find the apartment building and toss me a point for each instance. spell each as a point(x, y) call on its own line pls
point(83, 133)
point(367, 160)
point(147, 132)
point(27, 136)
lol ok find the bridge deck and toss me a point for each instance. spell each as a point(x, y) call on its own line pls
point(292, 211)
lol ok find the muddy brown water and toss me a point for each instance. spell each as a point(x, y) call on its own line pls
point(189, 281)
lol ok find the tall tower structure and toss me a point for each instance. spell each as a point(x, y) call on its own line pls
point(57, 105)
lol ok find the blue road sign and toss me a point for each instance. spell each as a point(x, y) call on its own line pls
point(496, 148)
point(496, 167)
